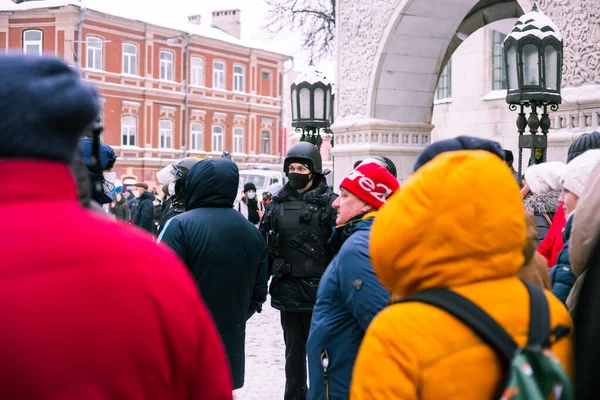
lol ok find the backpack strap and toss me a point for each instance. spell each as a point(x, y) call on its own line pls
point(539, 320)
point(548, 220)
point(463, 309)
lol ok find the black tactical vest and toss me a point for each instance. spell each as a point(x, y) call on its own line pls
point(303, 230)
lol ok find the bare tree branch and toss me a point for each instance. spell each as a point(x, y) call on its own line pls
point(314, 19)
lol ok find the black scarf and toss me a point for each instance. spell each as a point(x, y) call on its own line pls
point(253, 211)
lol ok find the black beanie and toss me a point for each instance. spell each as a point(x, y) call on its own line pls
point(584, 143)
point(249, 186)
point(44, 107)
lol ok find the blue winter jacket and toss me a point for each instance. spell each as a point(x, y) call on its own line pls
point(561, 275)
point(349, 297)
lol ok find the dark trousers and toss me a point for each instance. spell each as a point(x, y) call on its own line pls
point(296, 326)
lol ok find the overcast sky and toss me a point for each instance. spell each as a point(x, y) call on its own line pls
point(253, 15)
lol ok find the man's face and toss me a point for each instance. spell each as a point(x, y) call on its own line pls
point(539, 153)
point(349, 206)
point(569, 201)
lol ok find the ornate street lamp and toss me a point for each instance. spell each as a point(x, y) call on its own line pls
point(533, 55)
point(312, 106)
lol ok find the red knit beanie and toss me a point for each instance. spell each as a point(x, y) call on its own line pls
point(371, 183)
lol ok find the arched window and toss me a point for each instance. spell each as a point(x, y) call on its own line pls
point(129, 59)
point(217, 138)
point(196, 136)
point(94, 52)
point(128, 130)
point(165, 134)
point(33, 42)
point(238, 140)
point(265, 142)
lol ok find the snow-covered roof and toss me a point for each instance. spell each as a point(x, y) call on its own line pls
point(311, 75)
point(535, 23)
point(161, 20)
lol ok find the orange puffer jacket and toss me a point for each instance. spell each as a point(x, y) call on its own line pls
point(457, 223)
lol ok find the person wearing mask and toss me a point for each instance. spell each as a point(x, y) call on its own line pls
point(75, 324)
point(574, 181)
point(350, 294)
point(553, 242)
point(232, 278)
point(297, 225)
point(543, 181)
point(119, 206)
point(144, 213)
point(474, 248)
point(174, 176)
point(249, 207)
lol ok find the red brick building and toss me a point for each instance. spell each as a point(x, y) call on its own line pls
point(233, 99)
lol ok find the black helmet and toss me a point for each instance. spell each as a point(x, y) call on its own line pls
point(382, 161)
point(304, 151)
point(226, 155)
point(184, 165)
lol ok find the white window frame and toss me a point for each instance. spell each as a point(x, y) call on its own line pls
point(165, 134)
point(167, 66)
point(218, 75)
point(262, 142)
point(94, 55)
point(196, 136)
point(128, 130)
point(238, 78)
point(33, 42)
point(217, 138)
point(197, 72)
point(130, 60)
point(238, 139)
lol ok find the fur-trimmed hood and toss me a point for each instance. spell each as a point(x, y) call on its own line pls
point(543, 202)
point(319, 194)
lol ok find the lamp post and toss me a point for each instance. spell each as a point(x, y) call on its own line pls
point(186, 84)
point(312, 106)
point(533, 56)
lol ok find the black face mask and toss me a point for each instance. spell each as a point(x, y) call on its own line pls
point(299, 181)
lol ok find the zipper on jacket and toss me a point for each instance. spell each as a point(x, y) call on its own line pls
point(325, 365)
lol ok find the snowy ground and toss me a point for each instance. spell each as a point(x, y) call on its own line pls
point(265, 357)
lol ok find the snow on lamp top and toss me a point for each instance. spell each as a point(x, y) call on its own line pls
point(535, 23)
point(311, 76)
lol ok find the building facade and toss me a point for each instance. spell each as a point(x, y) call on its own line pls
point(390, 57)
point(166, 92)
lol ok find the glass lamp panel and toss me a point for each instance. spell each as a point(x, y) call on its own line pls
point(319, 98)
point(551, 67)
point(328, 105)
point(294, 105)
point(531, 69)
point(511, 59)
point(305, 103)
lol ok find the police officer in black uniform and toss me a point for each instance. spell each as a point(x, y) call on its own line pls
point(297, 225)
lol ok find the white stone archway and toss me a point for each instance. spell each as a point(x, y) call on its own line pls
point(390, 54)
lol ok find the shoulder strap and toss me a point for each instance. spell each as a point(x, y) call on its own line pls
point(547, 218)
point(488, 330)
point(539, 320)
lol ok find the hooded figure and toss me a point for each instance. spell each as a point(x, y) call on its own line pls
point(231, 279)
point(75, 323)
point(544, 184)
point(102, 183)
point(427, 236)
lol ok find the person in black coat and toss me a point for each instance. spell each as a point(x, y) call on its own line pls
point(225, 253)
point(144, 213)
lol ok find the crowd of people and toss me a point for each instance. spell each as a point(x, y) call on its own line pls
point(467, 282)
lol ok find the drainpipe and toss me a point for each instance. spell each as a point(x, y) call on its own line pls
point(79, 36)
point(282, 137)
point(186, 88)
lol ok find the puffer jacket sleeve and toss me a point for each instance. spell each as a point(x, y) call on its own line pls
point(147, 215)
point(259, 291)
point(561, 275)
point(387, 366)
point(363, 295)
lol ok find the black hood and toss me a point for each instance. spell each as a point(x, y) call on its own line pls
point(146, 196)
point(212, 183)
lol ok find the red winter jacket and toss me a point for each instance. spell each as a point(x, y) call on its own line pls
point(553, 242)
point(93, 309)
